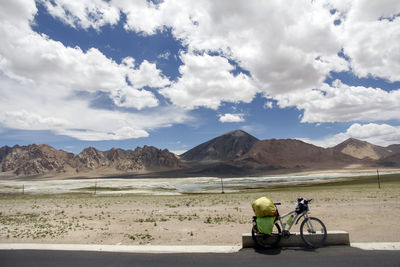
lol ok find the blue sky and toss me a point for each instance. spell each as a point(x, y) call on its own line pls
point(124, 74)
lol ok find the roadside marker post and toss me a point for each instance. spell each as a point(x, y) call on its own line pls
point(379, 180)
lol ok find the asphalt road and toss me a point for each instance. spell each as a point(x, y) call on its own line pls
point(327, 256)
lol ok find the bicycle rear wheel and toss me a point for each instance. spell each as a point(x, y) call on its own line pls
point(313, 232)
point(264, 240)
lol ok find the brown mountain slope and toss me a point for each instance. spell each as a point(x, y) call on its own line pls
point(123, 160)
point(393, 148)
point(390, 161)
point(289, 153)
point(362, 149)
point(89, 159)
point(228, 146)
point(34, 159)
point(155, 159)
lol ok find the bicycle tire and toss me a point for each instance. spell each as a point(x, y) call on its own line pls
point(264, 240)
point(313, 232)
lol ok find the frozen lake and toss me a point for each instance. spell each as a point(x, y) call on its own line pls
point(168, 186)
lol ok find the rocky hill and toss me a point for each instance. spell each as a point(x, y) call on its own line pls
point(293, 154)
point(89, 159)
point(147, 158)
point(362, 149)
point(156, 159)
point(390, 161)
point(238, 153)
point(226, 147)
point(123, 160)
point(393, 149)
point(35, 160)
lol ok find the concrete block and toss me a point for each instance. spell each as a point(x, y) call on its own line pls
point(333, 238)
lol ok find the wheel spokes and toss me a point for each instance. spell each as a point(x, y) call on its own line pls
point(310, 227)
point(313, 232)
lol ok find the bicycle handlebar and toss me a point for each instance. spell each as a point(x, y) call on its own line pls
point(279, 203)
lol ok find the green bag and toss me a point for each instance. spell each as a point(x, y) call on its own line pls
point(265, 224)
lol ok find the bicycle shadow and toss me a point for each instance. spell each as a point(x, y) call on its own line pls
point(279, 250)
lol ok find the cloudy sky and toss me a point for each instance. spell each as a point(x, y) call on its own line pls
point(173, 74)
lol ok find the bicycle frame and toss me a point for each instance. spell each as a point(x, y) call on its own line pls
point(286, 227)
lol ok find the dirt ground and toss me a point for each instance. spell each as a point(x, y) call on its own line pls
point(366, 212)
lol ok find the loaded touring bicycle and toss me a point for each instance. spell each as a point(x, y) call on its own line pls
point(267, 231)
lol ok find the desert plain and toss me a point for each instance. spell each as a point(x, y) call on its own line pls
point(355, 205)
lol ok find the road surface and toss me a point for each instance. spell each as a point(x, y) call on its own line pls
point(327, 256)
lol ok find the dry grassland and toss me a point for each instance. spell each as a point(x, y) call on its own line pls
point(359, 207)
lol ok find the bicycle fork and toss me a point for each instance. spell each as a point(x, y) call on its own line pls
point(309, 225)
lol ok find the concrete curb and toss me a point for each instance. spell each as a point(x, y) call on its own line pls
point(333, 238)
point(121, 248)
point(166, 249)
point(377, 246)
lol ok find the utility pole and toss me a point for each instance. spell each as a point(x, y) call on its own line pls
point(222, 186)
point(379, 180)
point(95, 187)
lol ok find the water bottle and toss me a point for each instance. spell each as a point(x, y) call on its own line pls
point(289, 221)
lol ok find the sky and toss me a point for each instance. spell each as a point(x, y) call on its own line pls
point(174, 74)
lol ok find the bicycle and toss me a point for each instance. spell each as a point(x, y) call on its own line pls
point(312, 230)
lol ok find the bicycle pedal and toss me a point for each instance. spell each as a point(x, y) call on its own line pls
point(286, 234)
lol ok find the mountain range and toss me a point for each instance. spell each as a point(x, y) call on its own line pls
point(38, 160)
point(235, 153)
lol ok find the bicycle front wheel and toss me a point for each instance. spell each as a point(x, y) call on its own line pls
point(264, 240)
point(313, 232)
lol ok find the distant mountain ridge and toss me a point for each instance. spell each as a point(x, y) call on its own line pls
point(393, 148)
point(243, 154)
point(34, 160)
point(291, 153)
point(228, 146)
point(362, 149)
point(235, 153)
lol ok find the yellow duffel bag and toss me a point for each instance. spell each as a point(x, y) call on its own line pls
point(263, 207)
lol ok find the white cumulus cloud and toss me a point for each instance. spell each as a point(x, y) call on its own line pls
point(285, 45)
point(27, 107)
point(41, 79)
point(343, 103)
point(83, 13)
point(377, 134)
point(290, 48)
point(369, 33)
point(269, 105)
point(34, 59)
point(228, 117)
point(207, 81)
